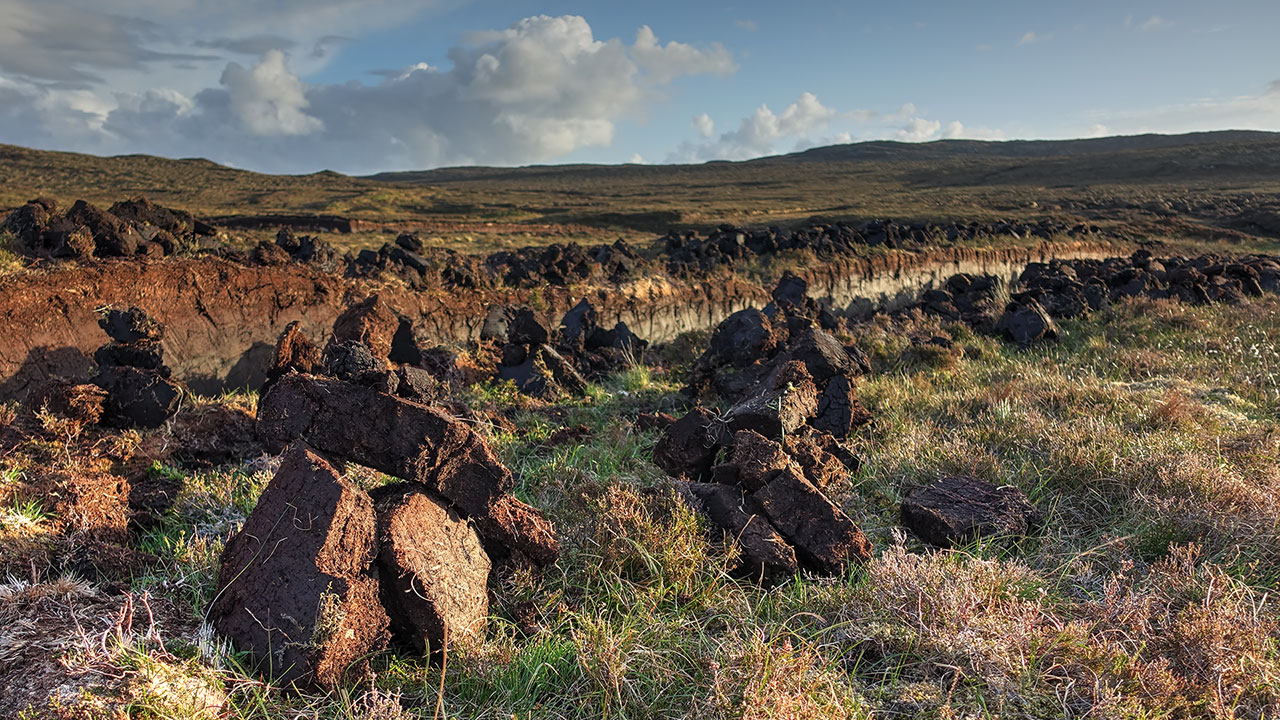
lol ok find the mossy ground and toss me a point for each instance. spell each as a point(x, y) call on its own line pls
point(1150, 435)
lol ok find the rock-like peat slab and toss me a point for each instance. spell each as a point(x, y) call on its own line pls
point(324, 574)
point(434, 569)
point(954, 510)
point(395, 436)
point(297, 587)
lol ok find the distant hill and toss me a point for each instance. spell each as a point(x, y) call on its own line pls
point(1236, 143)
point(968, 179)
point(949, 149)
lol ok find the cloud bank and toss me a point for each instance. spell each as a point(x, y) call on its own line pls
point(532, 92)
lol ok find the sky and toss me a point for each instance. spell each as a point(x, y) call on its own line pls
point(363, 86)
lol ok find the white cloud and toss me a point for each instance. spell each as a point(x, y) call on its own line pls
point(705, 126)
point(664, 62)
point(804, 124)
point(269, 100)
point(537, 90)
point(918, 129)
point(759, 133)
point(1243, 112)
point(1153, 22)
point(1097, 130)
point(1031, 38)
point(746, 24)
point(956, 130)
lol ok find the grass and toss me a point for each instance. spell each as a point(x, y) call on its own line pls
point(10, 254)
point(23, 512)
point(1149, 434)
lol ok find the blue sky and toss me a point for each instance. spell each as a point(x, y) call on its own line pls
point(363, 86)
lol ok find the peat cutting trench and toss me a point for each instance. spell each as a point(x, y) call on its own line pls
point(223, 317)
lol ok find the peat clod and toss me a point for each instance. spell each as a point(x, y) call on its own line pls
point(293, 353)
point(130, 326)
point(439, 534)
point(132, 372)
point(776, 411)
point(545, 364)
point(954, 510)
point(825, 539)
point(1025, 322)
point(765, 555)
point(515, 532)
point(688, 447)
point(298, 589)
point(370, 323)
point(390, 434)
point(1057, 290)
point(434, 570)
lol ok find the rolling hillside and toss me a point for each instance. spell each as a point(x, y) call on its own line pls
point(1231, 170)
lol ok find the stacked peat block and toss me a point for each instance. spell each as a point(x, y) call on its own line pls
point(132, 372)
point(131, 227)
point(751, 348)
point(323, 573)
point(1067, 289)
point(526, 356)
point(594, 349)
point(408, 561)
point(371, 346)
point(545, 363)
point(760, 469)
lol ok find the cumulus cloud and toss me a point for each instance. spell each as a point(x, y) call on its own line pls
point(705, 126)
point(665, 62)
point(759, 133)
point(268, 99)
point(918, 129)
point(957, 130)
point(805, 124)
point(532, 92)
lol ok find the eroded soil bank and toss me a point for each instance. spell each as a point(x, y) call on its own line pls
point(222, 318)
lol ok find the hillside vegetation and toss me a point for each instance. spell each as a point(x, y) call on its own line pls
point(1208, 174)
